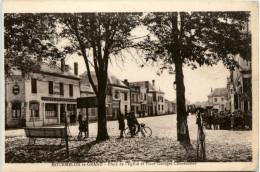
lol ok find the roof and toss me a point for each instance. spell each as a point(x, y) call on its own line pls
point(112, 80)
point(54, 69)
point(151, 88)
point(218, 92)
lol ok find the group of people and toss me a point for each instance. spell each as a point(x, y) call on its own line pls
point(132, 124)
point(226, 120)
point(83, 126)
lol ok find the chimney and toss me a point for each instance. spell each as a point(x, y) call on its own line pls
point(126, 82)
point(153, 82)
point(62, 64)
point(76, 68)
point(211, 90)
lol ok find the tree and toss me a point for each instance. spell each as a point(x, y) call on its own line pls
point(196, 38)
point(27, 42)
point(105, 35)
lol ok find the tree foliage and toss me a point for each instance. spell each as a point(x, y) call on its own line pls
point(203, 38)
point(27, 42)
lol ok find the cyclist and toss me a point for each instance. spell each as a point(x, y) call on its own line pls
point(132, 123)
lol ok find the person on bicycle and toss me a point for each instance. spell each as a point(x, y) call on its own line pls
point(132, 123)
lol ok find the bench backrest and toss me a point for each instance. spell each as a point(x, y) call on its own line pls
point(45, 132)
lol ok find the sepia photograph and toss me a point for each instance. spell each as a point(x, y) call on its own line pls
point(138, 88)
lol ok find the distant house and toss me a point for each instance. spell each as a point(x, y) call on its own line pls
point(134, 98)
point(151, 99)
point(218, 98)
point(117, 98)
point(170, 107)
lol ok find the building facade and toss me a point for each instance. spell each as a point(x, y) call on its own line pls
point(240, 86)
point(42, 98)
point(135, 98)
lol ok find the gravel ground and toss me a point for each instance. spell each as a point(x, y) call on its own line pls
point(221, 145)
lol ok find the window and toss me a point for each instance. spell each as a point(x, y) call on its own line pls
point(71, 90)
point(116, 94)
point(141, 96)
point(215, 99)
point(137, 98)
point(51, 110)
point(34, 109)
point(158, 107)
point(125, 96)
point(16, 109)
point(222, 99)
point(162, 107)
point(50, 87)
point(61, 89)
point(144, 96)
point(34, 85)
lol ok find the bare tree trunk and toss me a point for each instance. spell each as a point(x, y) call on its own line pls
point(102, 121)
point(182, 125)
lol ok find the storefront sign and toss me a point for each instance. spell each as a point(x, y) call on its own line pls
point(16, 89)
point(58, 99)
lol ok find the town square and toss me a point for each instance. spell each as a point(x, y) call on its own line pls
point(129, 88)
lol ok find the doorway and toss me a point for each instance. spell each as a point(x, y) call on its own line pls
point(62, 114)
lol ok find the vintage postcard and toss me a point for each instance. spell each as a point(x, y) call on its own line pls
point(130, 86)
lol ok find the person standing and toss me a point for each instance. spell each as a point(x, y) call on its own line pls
point(80, 118)
point(121, 123)
point(80, 125)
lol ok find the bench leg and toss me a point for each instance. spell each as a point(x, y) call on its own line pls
point(32, 140)
point(62, 141)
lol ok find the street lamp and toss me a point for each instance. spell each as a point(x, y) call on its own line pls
point(174, 85)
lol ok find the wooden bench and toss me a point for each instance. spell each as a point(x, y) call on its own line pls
point(44, 132)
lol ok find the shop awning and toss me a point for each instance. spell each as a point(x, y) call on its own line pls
point(87, 102)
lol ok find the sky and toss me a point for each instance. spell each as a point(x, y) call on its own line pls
point(198, 82)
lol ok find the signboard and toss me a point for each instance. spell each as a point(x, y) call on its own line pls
point(87, 102)
point(58, 99)
point(16, 89)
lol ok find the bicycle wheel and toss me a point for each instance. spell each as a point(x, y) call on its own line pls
point(127, 132)
point(146, 132)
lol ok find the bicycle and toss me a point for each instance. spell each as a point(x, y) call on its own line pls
point(145, 131)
